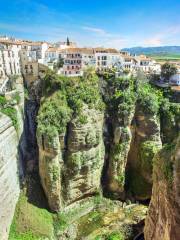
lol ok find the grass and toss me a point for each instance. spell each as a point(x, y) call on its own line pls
point(31, 222)
point(166, 57)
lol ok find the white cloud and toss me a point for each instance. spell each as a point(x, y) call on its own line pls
point(95, 30)
point(164, 37)
point(155, 41)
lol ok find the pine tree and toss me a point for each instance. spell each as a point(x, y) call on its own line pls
point(68, 42)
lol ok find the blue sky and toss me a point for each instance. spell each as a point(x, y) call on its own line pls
point(108, 23)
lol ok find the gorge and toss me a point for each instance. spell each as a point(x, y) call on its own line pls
point(88, 156)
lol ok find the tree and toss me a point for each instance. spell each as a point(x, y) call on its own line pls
point(167, 70)
point(68, 42)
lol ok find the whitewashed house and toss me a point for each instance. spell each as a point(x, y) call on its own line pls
point(106, 58)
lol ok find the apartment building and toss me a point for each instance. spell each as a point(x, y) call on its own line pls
point(72, 62)
point(9, 60)
point(107, 58)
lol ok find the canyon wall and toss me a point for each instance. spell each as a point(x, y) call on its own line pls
point(146, 142)
point(9, 174)
point(11, 145)
point(163, 221)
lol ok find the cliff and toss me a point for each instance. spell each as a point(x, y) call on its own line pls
point(70, 167)
point(146, 142)
point(9, 174)
point(87, 138)
point(163, 221)
point(11, 144)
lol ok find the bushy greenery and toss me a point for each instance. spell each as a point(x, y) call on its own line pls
point(170, 111)
point(120, 96)
point(167, 70)
point(64, 99)
point(53, 115)
point(3, 101)
point(149, 98)
point(7, 108)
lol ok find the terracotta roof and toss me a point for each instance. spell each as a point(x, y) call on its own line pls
point(106, 50)
point(78, 50)
point(30, 43)
point(143, 57)
point(129, 58)
point(10, 42)
point(52, 49)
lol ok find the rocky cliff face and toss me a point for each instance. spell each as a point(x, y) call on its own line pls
point(9, 174)
point(11, 144)
point(163, 221)
point(146, 142)
point(70, 166)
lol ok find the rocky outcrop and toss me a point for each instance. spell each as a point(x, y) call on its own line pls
point(119, 149)
point(163, 221)
point(146, 142)
point(9, 182)
point(70, 165)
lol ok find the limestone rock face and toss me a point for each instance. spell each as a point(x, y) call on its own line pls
point(163, 221)
point(146, 142)
point(118, 155)
point(9, 182)
point(70, 166)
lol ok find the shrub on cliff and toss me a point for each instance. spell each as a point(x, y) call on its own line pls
point(6, 107)
point(64, 98)
point(149, 98)
point(120, 96)
point(54, 115)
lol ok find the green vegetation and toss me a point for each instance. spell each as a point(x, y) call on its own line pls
point(12, 113)
point(64, 99)
point(167, 70)
point(147, 151)
point(165, 57)
point(26, 93)
point(149, 98)
point(119, 96)
point(90, 222)
point(7, 108)
point(17, 97)
point(31, 222)
point(168, 165)
point(53, 115)
point(170, 111)
point(115, 236)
